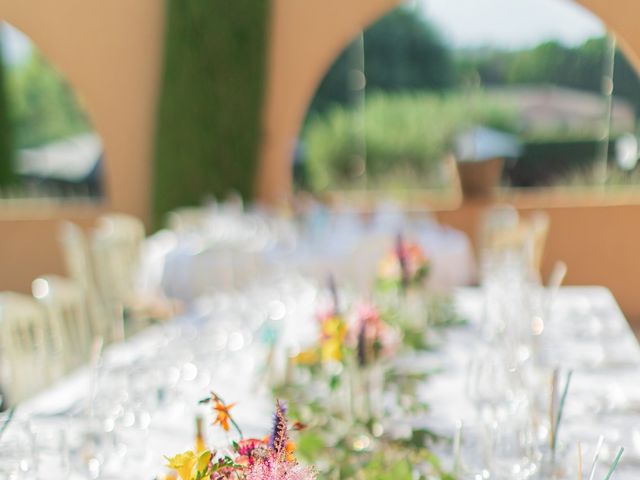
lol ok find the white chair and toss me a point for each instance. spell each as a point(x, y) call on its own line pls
point(66, 305)
point(116, 249)
point(26, 365)
point(188, 219)
point(104, 323)
point(116, 245)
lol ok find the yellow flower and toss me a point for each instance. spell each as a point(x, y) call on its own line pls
point(334, 327)
point(306, 357)
point(203, 461)
point(389, 267)
point(183, 464)
point(188, 464)
point(223, 416)
point(331, 350)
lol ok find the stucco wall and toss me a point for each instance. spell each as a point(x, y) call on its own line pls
point(110, 51)
point(595, 237)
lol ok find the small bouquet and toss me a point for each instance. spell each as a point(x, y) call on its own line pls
point(373, 338)
point(363, 336)
point(403, 267)
point(271, 458)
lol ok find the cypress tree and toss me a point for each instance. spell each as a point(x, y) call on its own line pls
point(6, 137)
point(209, 111)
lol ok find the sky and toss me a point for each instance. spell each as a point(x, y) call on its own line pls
point(511, 23)
point(16, 47)
point(464, 23)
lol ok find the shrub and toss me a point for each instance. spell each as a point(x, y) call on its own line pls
point(399, 134)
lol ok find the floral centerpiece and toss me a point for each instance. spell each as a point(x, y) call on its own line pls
point(270, 458)
point(414, 310)
point(360, 337)
point(347, 389)
point(403, 267)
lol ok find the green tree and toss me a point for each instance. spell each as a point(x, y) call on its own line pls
point(538, 65)
point(579, 67)
point(401, 52)
point(208, 125)
point(44, 108)
point(6, 139)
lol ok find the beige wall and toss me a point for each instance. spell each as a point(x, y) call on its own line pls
point(111, 53)
point(597, 238)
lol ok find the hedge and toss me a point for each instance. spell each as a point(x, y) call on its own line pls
point(209, 111)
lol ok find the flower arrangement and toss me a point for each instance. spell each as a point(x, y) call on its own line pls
point(342, 389)
point(403, 267)
point(363, 335)
point(271, 458)
point(374, 338)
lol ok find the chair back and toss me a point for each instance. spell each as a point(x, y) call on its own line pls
point(66, 305)
point(79, 268)
point(188, 219)
point(116, 246)
point(25, 364)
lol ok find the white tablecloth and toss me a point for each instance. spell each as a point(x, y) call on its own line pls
point(590, 336)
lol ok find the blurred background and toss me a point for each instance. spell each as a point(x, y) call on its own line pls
point(437, 106)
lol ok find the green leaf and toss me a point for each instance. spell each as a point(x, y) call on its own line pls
point(310, 445)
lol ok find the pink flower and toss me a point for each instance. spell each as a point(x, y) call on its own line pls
point(373, 337)
point(275, 468)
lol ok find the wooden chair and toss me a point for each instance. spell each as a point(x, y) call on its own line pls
point(104, 323)
point(26, 363)
point(66, 305)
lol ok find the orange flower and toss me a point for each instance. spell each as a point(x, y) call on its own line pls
point(222, 414)
point(291, 449)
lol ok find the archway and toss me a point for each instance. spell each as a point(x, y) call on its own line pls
point(110, 53)
point(306, 40)
point(532, 88)
point(50, 149)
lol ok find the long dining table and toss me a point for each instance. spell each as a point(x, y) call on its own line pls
point(117, 417)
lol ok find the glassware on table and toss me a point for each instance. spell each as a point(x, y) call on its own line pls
point(51, 448)
point(512, 446)
point(17, 455)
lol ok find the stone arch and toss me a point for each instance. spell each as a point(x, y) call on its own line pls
point(308, 36)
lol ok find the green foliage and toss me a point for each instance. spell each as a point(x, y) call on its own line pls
point(6, 140)
point(545, 162)
point(208, 125)
point(310, 445)
point(579, 67)
point(44, 109)
point(407, 136)
point(401, 52)
point(381, 468)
